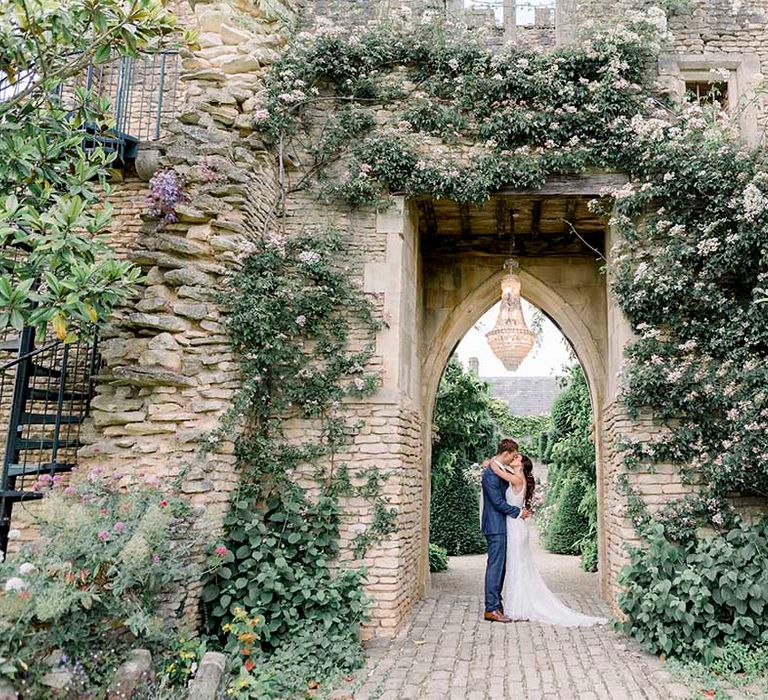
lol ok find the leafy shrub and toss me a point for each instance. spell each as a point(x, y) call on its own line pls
point(740, 658)
point(588, 543)
point(526, 430)
point(455, 516)
point(465, 429)
point(94, 578)
point(691, 599)
point(277, 563)
point(438, 558)
point(568, 525)
point(435, 119)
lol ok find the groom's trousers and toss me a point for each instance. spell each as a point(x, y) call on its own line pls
point(494, 571)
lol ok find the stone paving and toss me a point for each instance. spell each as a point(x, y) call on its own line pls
point(448, 651)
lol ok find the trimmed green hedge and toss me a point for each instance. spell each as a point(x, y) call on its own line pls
point(455, 516)
point(568, 526)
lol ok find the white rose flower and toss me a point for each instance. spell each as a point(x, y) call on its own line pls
point(15, 584)
point(27, 568)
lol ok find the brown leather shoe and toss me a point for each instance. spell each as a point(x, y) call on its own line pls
point(496, 616)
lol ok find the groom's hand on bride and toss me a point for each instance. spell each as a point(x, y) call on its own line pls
point(526, 514)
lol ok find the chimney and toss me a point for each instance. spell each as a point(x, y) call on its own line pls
point(474, 366)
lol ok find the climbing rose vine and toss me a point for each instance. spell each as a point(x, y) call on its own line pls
point(460, 122)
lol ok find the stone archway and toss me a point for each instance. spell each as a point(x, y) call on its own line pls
point(440, 275)
point(562, 305)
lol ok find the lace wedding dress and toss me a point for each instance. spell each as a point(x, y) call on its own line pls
point(525, 595)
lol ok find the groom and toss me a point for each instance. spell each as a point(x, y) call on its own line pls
point(495, 512)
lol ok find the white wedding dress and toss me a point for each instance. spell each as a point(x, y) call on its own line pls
point(525, 595)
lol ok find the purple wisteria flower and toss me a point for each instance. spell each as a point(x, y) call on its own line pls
point(166, 191)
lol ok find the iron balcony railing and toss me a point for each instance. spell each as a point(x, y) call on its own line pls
point(45, 395)
point(141, 92)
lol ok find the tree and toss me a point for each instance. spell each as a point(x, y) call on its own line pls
point(54, 263)
point(465, 433)
point(571, 520)
point(465, 430)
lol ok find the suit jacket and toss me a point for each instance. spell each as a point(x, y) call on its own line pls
point(495, 506)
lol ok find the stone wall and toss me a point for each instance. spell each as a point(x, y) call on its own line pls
point(169, 372)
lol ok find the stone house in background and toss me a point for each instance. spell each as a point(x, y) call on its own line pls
point(168, 371)
point(525, 396)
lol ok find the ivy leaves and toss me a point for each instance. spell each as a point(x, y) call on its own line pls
point(711, 592)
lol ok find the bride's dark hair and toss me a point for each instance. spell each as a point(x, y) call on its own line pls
point(530, 482)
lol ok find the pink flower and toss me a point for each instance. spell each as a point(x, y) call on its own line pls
point(70, 490)
point(119, 526)
point(220, 551)
point(163, 503)
point(103, 535)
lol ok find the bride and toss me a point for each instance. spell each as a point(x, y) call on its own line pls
point(525, 594)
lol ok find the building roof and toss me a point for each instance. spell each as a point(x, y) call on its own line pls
point(526, 396)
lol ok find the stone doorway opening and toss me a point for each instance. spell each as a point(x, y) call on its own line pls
point(546, 407)
point(458, 257)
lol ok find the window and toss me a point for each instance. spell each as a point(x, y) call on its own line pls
point(730, 79)
point(707, 92)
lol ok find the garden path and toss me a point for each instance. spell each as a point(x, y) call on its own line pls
point(448, 652)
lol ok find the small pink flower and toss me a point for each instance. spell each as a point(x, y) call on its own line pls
point(103, 535)
point(119, 526)
point(163, 503)
point(220, 551)
point(117, 476)
point(155, 558)
point(70, 490)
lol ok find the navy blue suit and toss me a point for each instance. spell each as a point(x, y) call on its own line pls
point(495, 512)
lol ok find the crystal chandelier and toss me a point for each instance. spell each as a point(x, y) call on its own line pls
point(511, 340)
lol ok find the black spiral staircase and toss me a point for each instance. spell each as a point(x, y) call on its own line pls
point(45, 394)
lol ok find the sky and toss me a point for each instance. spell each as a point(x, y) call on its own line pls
point(546, 359)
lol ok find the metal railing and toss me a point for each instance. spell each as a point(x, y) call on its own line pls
point(141, 92)
point(45, 395)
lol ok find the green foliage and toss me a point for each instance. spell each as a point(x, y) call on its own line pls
point(465, 428)
point(182, 658)
point(528, 431)
point(279, 564)
point(55, 265)
point(691, 599)
point(529, 114)
point(438, 558)
point(290, 320)
point(465, 433)
point(588, 543)
point(96, 584)
point(455, 515)
point(568, 525)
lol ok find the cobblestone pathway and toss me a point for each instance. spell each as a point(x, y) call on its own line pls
point(448, 652)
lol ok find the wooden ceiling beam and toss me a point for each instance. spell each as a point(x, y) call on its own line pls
point(493, 246)
point(427, 209)
point(583, 184)
point(536, 218)
point(570, 215)
point(466, 225)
